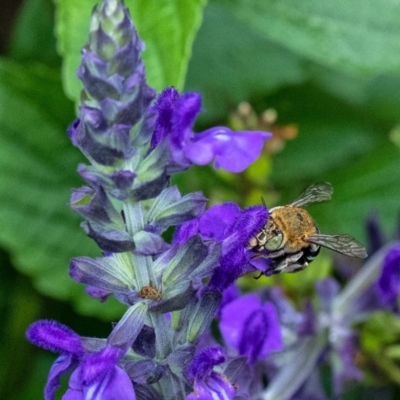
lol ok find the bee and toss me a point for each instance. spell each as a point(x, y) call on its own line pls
point(291, 239)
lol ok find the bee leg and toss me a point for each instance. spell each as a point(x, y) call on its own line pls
point(287, 264)
point(269, 255)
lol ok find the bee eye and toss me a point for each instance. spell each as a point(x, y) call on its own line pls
point(275, 242)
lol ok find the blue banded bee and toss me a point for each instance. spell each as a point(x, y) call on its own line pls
point(291, 239)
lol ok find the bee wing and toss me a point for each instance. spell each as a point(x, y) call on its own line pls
point(344, 244)
point(313, 194)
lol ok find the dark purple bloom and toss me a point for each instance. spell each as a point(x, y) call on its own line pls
point(100, 378)
point(208, 384)
point(236, 260)
point(232, 151)
point(375, 236)
point(56, 337)
point(95, 361)
point(388, 284)
point(214, 223)
point(250, 327)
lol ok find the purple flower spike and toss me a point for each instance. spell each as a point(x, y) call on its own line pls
point(388, 285)
point(251, 328)
point(232, 151)
point(53, 336)
point(208, 384)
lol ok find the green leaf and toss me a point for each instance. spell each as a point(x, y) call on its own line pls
point(33, 38)
point(331, 134)
point(358, 36)
point(38, 165)
point(232, 63)
point(167, 27)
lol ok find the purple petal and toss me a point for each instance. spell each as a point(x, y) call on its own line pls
point(233, 151)
point(214, 222)
point(97, 293)
point(75, 390)
point(106, 273)
point(232, 266)
point(308, 324)
point(388, 284)
point(164, 110)
point(72, 131)
point(344, 367)
point(203, 363)
point(327, 290)
point(376, 238)
point(114, 385)
point(215, 387)
point(251, 328)
point(148, 243)
point(248, 223)
point(235, 261)
point(98, 365)
point(229, 294)
point(63, 365)
point(53, 336)
point(186, 231)
point(186, 109)
point(123, 179)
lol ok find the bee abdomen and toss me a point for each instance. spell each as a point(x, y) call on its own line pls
point(311, 251)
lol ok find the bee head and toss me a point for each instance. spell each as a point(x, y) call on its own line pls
point(275, 241)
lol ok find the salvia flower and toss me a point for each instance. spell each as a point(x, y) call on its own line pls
point(207, 383)
point(250, 327)
point(134, 140)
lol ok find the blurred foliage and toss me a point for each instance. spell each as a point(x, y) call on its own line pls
point(323, 76)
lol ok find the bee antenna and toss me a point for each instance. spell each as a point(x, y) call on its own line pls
point(263, 202)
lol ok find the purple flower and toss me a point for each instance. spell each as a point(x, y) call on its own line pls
point(250, 327)
point(56, 337)
point(236, 260)
point(208, 384)
point(388, 284)
point(99, 378)
point(375, 235)
point(232, 227)
point(343, 359)
point(95, 361)
point(232, 151)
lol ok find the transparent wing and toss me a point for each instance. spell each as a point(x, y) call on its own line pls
point(313, 194)
point(344, 244)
